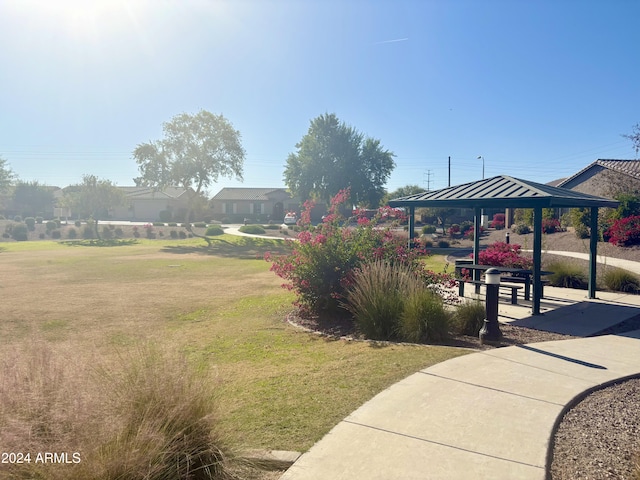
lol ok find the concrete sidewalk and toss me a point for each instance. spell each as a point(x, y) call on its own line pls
point(487, 415)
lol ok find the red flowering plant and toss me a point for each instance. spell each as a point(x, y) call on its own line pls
point(624, 232)
point(321, 263)
point(501, 254)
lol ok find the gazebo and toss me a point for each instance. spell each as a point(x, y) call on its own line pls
point(507, 192)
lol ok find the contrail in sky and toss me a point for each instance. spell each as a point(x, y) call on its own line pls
point(392, 41)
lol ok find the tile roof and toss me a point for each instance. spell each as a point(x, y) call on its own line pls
point(628, 167)
point(151, 193)
point(252, 194)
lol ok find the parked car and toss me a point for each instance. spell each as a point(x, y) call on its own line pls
point(290, 219)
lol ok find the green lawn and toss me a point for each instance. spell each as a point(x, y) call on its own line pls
point(278, 387)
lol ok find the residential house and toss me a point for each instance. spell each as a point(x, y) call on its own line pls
point(605, 178)
point(145, 204)
point(256, 204)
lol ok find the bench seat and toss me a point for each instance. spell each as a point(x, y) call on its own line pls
point(478, 283)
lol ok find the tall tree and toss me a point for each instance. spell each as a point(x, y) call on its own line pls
point(7, 177)
point(404, 192)
point(333, 156)
point(195, 151)
point(32, 198)
point(635, 137)
point(94, 198)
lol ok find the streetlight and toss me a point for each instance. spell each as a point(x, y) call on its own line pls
point(481, 157)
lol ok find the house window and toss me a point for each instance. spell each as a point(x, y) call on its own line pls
point(258, 208)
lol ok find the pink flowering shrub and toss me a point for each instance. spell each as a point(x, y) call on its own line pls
point(501, 254)
point(321, 263)
point(550, 225)
point(624, 232)
point(498, 221)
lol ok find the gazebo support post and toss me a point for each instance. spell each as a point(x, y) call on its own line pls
point(537, 259)
point(412, 225)
point(593, 251)
point(477, 222)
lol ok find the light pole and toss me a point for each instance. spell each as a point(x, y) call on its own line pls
point(481, 157)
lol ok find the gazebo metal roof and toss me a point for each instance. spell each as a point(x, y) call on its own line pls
point(502, 191)
point(507, 192)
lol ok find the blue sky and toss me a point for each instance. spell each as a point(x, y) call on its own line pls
point(539, 89)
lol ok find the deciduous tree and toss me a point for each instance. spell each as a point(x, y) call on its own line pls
point(94, 198)
point(195, 151)
point(634, 137)
point(31, 198)
point(333, 156)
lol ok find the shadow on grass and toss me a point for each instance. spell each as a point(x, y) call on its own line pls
point(102, 242)
point(240, 247)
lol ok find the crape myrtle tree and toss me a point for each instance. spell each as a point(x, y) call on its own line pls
point(195, 151)
point(333, 156)
point(93, 198)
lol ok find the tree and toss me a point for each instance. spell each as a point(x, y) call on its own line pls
point(195, 151)
point(31, 199)
point(7, 178)
point(94, 198)
point(635, 137)
point(403, 192)
point(333, 156)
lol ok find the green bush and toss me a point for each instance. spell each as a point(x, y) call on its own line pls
point(173, 234)
point(567, 275)
point(376, 298)
point(78, 223)
point(582, 231)
point(200, 225)
point(271, 226)
point(119, 232)
point(55, 234)
point(172, 224)
point(424, 317)
point(158, 224)
point(521, 229)
point(31, 223)
point(443, 244)
point(427, 229)
point(87, 232)
point(20, 232)
point(182, 234)
point(214, 230)
point(621, 280)
point(106, 233)
point(468, 318)
point(51, 225)
point(17, 218)
point(72, 233)
point(252, 229)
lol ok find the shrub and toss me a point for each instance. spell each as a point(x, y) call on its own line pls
point(31, 223)
point(428, 229)
point(87, 232)
point(453, 230)
point(150, 233)
point(172, 224)
point(39, 220)
point(468, 318)
point(443, 244)
point(271, 226)
point(214, 230)
point(521, 229)
point(200, 225)
point(182, 234)
point(119, 232)
point(158, 224)
point(20, 232)
point(625, 232)
point(581, 231)
point(106, 233)
point(321, 264)
point(550, 225)
point(376, 297)
point(498, 221)
point(501, 254)
point(72, 233)
point(621, 280)
point(424, 317)
point(173, 234)
point(17, 218)
point(51, 225)
point(567, 275)
point(55, 234)
point(252, 229)
point(78, 223)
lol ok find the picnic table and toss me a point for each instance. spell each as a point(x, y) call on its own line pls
point(516, 275)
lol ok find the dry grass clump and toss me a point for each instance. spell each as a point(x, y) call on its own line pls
point(150, 417)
